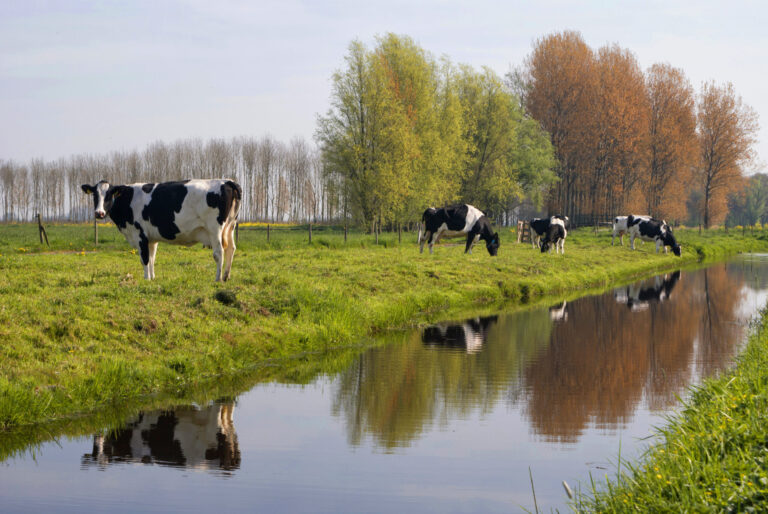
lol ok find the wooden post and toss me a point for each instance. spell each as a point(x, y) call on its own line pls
point(345, 232)
point(95, 232)
point(41, 230)
point(310, 233)
point(376, 231)
point(399, 236)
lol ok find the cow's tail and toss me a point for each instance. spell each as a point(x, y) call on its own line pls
point(234, 199)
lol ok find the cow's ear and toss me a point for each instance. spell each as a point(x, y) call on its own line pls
point(87, 189)
point(113, 192)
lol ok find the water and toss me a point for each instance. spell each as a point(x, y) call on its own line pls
point(448, 419)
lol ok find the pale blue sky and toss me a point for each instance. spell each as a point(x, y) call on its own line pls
point(91, 77)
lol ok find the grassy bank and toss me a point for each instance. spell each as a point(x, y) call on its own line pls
point(712, 456)
point(81, 330)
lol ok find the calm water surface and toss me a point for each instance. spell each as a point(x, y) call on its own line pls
point(448, 419)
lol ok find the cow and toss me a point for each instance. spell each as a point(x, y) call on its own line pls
point(184, 213)
point(639, 297)
point(189, 437)
point(539, 227)
point(468, 336)
point(456, 221)
point(650, 229)
point(620, 227)
point(555, 236)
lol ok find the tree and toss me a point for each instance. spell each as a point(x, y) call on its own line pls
point(672, 141)
point(727, 129)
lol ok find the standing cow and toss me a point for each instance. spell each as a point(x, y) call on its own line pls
point(555, 235)
point(539, 227)
point(456, 221)
point(652, 230)
point(184, 213)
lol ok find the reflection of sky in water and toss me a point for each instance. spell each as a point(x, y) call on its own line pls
point(341, 444)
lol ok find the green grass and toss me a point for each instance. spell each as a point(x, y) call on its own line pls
point(82, 331)
point(710, 457)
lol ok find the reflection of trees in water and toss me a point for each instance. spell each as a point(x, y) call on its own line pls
point(599, 365)
point(751, 269)
point(186, 437)
point(592, 360)
point(394, 392)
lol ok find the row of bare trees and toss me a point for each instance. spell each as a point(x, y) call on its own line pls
point(281, 181)
point(629, 140)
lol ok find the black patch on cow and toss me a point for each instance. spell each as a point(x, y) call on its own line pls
point(539, 225)
point(143, 244)
point(555, 233)
point(454, 336)
point(167, 199)
point(228, 194)
point(147, 188)
point(117, 203)
point(163, 445)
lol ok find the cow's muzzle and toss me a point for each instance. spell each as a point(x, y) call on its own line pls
point(100, 215)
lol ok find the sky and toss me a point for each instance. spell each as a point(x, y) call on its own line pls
point(80, 77)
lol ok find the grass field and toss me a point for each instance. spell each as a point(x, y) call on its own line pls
point(82, 330)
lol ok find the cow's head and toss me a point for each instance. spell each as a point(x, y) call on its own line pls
point(99, 191)
point(669, 240)
point(492, 244)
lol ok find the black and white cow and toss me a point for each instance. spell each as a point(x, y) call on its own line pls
point(555, 235)
point(620, 227)
point(457, 221)
point(652, 230)
point(184, 213)
point(539, 227)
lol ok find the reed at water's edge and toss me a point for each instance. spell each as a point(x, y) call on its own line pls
point(710, 456)
point(82, 330)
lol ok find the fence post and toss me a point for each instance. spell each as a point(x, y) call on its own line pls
point(310, 233)
point(267, 232)
point(237, 232)
point(345, 232)
point(399, 236)
point(41, 230)
point(95, 232)
point(376, 231)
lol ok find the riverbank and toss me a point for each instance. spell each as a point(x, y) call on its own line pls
point(710, 457)
point(82, 330)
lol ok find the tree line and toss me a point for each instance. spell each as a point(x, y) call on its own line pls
point(629, 140)
point(575, 131)
point(281, 181)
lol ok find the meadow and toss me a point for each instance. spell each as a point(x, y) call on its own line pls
point(82, 331)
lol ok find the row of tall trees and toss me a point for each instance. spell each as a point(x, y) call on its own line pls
point(628, 140)
point(406, 131)
point(281, 181)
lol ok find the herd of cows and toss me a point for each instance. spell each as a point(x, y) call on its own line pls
point(205, 211)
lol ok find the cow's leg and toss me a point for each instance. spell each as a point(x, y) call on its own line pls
point(152, 253)
point(423, 239)
point(621, 238)
point(229, 249)
point(613, 237)
point(632, 241)
point(470, 243)
point(143, 247)
point(562, 246)
point(657, 246)
point(218, 252)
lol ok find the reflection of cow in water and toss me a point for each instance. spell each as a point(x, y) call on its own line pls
point(639, 296)
point(187, 437)
point(558, 312)
point(468, 336)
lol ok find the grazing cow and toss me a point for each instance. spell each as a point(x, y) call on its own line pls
point(620, 227)
point(456, 221)
point(555, 236)
point(468, 336)
point(639, 297)
point(652, 230)
point(539, 227)
point(184, 213)
point(188, 437)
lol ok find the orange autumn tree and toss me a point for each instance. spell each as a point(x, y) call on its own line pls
point(561, 96)
point(727, 129)
point(672, 141)
point(621, 139)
